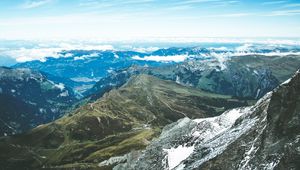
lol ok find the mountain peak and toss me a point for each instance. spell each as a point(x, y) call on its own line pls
point(141, 80)
point(124, 119)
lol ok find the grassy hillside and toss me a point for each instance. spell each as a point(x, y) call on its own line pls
point(122, 120)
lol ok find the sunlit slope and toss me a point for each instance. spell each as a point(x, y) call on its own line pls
point(122, 120)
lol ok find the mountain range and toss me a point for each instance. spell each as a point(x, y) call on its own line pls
point(81, 69)
point(248, 77)
point(207, 108)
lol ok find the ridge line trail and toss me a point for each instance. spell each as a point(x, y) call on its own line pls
point(165, 103)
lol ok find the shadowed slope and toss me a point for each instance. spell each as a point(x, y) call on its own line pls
point(28, 98)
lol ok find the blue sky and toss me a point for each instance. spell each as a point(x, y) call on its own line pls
point(121, 19)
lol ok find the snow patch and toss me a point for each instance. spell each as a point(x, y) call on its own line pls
point(287, 81)
point(227, 118)
point(42, 110)
point(207, 128)
point(60, 86)
point(257, 93)
point(272, 165)
point(110, 70)
point(177, 155)
point(99, 120)
point(64, 94)
point(177, 79)
point(250, 153)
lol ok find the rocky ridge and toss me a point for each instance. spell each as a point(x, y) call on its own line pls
point(263, 136)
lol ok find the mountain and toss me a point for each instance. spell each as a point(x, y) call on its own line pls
point(124, 119)
point(114, 80)
point(263, 136)
point(250, 76)
point(241, 76)
point(83, 68)
point(28, 99)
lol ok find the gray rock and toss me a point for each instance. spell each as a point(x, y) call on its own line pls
point(264, 136)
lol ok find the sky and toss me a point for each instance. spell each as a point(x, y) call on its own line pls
point(138, 19)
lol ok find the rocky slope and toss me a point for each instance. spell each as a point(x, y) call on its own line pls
point(264, 136)
point(28, 99)
point(122, 120)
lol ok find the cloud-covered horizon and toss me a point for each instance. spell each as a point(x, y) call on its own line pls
point(218, 48)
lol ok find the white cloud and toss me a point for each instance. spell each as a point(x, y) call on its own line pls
point(284, 13)
point(145, 49)
point(83, 57)
point(88, 26)
point(174, 58)
point(85, 46)
point(273, 2)
point(23, 54)
point(197, 1)
point(226, 3)
point(244, 47)
point(218, 48)
point(294, 42)
point(94, 4)
point(292, 5)
point(234, 15)
point(37, 53)
point(35, 3)
point(251, 49)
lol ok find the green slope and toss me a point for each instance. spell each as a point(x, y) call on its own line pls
point(122, 120)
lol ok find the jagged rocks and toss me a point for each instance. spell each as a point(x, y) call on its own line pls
point(264, 136)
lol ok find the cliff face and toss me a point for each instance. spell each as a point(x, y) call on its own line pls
point(264, 136)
